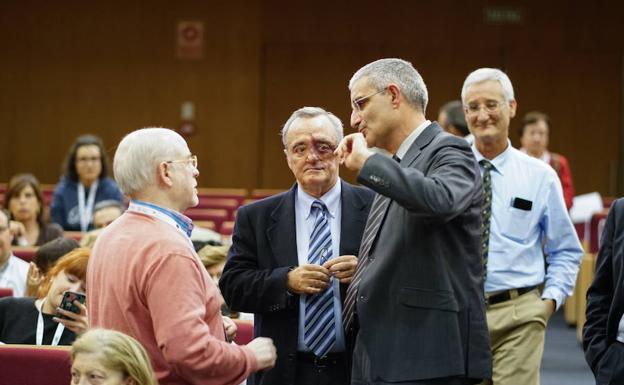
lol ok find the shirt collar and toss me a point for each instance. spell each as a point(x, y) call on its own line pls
point(331, 199)
point(498, 162)
point(184, 223)
point(411, 138)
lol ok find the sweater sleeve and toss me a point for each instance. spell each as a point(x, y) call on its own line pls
point(191, 340)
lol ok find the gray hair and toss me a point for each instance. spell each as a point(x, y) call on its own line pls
point(487, 74)
point(382, 72)
point(140, 152)
point(312, 112)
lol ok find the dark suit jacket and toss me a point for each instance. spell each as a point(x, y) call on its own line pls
point(605, 296)
point(420, 302)
point(264, 249)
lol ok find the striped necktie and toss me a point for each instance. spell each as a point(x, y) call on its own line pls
point(486, 212)
point(373, 223)
point(375, 218)
point(320, 324)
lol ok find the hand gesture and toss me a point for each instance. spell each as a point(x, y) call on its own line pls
point(342, 267)
point(308, 279)
point(264, 351)
point(352, 151)
point(77, 323)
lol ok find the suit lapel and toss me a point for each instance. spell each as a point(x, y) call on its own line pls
point(421, 142)
point(282, 238)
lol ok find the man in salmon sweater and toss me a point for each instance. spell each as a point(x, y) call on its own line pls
point(145, 279)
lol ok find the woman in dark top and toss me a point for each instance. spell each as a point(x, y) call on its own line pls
point(85, 182)
point(30, 222)
point(32, 321)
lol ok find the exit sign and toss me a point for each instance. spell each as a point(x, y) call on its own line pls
point(503, 15)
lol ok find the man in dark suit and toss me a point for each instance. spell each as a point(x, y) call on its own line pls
point(293, 255)
point(417, 294)
point(603, 333)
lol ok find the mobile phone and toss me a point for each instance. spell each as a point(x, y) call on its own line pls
point(67, 303)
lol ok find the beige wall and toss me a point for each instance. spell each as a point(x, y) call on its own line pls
point(110, 67)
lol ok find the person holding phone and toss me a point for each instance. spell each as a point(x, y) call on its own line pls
point(40, 321)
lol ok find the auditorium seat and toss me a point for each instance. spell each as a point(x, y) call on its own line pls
point(35, 365)
point(596, 225)
point(206, 225)
point(233, 193)
point(260, 193)
point(215, 215)
point(244, 332)
point(227, 227)
point(228, 204)
point(6, 292)
point(26, 253)
point(47, 190)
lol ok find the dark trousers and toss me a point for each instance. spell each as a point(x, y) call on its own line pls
point(610, 369)
point(361, 375)
point(328, 371)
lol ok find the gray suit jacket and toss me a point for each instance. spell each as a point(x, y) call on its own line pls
point(420, 303)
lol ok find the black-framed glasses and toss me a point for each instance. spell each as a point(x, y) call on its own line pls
point(192, 160)
point(359, 103)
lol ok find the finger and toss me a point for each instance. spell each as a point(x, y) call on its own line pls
point(347, 279)
point(83, 308)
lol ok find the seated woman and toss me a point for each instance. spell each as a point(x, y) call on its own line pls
point(30, 222)
point(110, 357)
point(45, 257)
point(33, 321)
point(84, 184)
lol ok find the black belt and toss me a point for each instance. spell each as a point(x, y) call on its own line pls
point(507, 295)
point(330, 359)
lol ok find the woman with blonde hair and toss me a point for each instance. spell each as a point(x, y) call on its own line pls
point(110, 357)
point(34, 321)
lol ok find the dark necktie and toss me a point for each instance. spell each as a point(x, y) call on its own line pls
point(373, 223)
point(319, 322)
point(486, 211)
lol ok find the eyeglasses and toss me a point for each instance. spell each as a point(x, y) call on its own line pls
point(359, 103)
point(491, 106)
point(87, 159)
point(192, 160)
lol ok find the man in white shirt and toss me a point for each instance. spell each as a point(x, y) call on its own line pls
point(13, 271)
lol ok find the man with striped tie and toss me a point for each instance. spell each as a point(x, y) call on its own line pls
point(294, 254)
point(417, 294)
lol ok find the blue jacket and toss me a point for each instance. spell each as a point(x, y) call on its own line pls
point(64, 208)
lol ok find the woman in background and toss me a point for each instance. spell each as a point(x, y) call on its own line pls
point(30, 321)
point(103, 356)
point(85, 182)
point(45, 257)
point(30, 222)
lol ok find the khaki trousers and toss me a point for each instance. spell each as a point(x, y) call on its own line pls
point(517, 331)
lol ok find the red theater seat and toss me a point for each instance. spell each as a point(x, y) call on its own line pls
point(227, 227)
point(6, 292)
point(233, 193)
point(25, 253)
point(260, 193)
point(35, 365)
point(244, 332)
point(215, 215)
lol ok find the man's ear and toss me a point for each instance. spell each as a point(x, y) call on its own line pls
point(513, 105)
point(163, 174)
point(395, 93)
